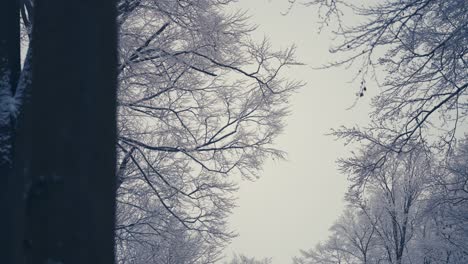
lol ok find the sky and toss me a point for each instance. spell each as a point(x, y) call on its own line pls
point(296, 201)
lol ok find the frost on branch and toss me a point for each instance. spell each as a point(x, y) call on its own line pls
point(199, 104)
point(416, 52)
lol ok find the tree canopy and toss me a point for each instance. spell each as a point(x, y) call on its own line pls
point(403, 196)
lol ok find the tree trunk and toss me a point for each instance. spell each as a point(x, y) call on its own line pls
point(11, 192)
point(70, 200)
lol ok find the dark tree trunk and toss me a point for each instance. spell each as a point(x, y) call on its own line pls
point(71, 192)
point(11, 187)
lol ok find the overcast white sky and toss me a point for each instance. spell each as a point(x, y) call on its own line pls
point(295, 202)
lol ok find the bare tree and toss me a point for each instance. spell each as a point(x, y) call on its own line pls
point(352, 240)
point(199, 102)
point(243, 259)
point(332, 251)
point(389, 201)
point(390, 195)
point(448, 207)
point(417, 52)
